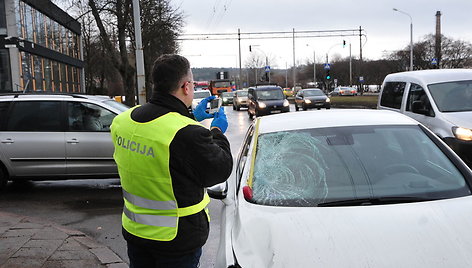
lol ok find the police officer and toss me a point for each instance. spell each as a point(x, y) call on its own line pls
point(165, 160)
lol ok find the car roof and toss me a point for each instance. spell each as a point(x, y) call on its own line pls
point(331, 118)
point(432, 76)
point(52, 95)
point(315, 89)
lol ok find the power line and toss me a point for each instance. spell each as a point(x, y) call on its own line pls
point(269, 35)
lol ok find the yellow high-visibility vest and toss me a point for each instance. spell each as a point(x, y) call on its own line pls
point(142, 156)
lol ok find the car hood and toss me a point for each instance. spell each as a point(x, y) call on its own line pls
point(426, 234)
point(460, 119)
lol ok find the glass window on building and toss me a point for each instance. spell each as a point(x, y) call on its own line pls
point(40, 29)
point(65, 39)
point(5, 74)
point(56, 77)
point(57, 37)
point(38, 73)
point(26, 76)
point(29, 33)
point(47, 75)
point(63, 77)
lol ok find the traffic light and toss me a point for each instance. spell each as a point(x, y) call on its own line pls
point(344, 43)
point(328, 76)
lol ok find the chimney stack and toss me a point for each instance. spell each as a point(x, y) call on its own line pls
point(437, 48)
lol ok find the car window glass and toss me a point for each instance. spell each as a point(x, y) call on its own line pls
point(308, 167)
point(88, 117)
point(4, 105)
point(417, 93)
point(453, 96)
point(35, 116)
point(392, 94)
point(201, 94)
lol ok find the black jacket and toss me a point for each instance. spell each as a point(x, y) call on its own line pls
point(198, 158)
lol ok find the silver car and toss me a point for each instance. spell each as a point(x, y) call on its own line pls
point(56, 136)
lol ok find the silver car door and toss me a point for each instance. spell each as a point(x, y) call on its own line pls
point(32, 143)
point(89, 147)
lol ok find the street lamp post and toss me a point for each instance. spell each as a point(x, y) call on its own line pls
point(411, 36)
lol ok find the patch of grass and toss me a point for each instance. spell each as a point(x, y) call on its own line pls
point(365, 101)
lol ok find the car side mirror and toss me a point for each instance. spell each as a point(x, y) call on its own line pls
point(218, 191)
point(419, 107)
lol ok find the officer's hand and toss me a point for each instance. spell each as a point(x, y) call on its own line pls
point(220, 120)
point(200, 113)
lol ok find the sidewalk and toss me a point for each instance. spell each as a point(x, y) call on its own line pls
point(35, 243)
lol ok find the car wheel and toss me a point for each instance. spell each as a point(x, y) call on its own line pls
point(234, 107)
point(3, 178)
point(296, 107)
point(304, 107)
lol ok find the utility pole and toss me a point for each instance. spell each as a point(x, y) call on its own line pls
point(141, 80)
point(294, 67)
point(314, 69)
point(240, 70)
point(360, 60)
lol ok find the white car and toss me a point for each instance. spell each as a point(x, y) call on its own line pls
point(345, 188)
point(440, 99)
point(198, 96)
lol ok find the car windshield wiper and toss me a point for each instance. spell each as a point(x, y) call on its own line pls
point(374, 201)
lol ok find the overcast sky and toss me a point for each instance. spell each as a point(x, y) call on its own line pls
point(385, 29)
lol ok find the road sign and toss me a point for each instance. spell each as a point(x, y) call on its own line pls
point(267, 69)
point(327, 66)
point(434, 61)
point(361, 79)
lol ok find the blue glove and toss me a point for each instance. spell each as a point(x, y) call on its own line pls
point(200, 113)
point(220, 120)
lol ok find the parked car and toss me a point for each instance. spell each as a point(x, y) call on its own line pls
point(56, 136)
point(311, 98)
point(440, 99)
point(240, 99)
point(227, 98)
point(344, 91)
point(372, 186)
point(198, 96)
point(288, 92)
point(267, 99)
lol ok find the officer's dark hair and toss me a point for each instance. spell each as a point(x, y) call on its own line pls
point(167, 72)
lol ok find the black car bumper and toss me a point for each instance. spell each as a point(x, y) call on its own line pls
point(462, 148)
point(272, 109)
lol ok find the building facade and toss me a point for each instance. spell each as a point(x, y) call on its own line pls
point(40, 48)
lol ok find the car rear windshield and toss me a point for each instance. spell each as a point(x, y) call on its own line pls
point(315, 166)
point(272, 94)
point(201, 94)
point(452, 96)
point(227, 94)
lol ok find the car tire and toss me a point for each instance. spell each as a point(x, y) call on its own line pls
point(238, 108)
point(3, 178)
point(296, 107)
point(234, 107)
point(304, 107)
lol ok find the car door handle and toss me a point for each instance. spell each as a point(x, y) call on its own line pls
point(8, 141)
point(74, 140)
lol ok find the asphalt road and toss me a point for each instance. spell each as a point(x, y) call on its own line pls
point(94, 206)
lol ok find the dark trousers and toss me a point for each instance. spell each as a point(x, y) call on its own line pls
point(140, 257)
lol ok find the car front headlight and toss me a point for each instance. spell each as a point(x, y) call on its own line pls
point(286, 103)
point(308, 101)
point(262, 105)
point(225, 99)
point(328, 100)
point(461, 133)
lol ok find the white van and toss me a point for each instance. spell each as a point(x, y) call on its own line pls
point(440, 99)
